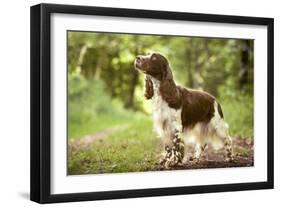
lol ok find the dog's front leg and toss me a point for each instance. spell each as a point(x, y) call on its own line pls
point(173, 154)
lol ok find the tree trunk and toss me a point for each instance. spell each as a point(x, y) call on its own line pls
point(100, 64)
point(80, 61)
point(244, 70)
point(189, 66)
point(134, 76)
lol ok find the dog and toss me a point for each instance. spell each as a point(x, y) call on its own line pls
point(181, 115)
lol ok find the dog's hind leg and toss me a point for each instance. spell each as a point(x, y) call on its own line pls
point(200, 153)
point(228, 148)
point(223, 134)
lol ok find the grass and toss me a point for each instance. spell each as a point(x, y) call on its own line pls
point(130, 150)
point(77, 130)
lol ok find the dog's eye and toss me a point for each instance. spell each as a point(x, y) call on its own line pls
point(153, 57)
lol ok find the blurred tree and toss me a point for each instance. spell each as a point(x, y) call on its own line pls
point(245, 63)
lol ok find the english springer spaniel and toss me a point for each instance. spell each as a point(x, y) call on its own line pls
point(181, 113)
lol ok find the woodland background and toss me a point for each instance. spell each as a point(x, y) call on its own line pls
point(109, 123)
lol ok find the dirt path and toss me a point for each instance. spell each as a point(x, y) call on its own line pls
point(86, 141)
point(243, 150)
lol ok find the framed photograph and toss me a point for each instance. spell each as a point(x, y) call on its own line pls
point(133, 103)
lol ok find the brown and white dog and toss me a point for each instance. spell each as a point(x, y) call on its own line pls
point(178, 112)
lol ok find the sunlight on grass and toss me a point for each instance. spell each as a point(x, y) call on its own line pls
point(132, 150)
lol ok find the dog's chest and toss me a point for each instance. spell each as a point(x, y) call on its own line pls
point(165, 118)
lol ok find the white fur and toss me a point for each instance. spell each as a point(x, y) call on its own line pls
point(163, 113)
point(214, 133)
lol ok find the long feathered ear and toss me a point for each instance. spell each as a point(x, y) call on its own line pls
point(148, 87)
point(167, 73)
point(169, 90)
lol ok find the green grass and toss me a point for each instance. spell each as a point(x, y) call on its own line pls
point(77, 130)
point(132, 150)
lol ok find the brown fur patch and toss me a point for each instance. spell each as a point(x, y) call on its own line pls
point(170, 93)
point(197, 106)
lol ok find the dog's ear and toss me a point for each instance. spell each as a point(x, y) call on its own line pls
point(167, 73)
point(148, 87)
point(170, 93)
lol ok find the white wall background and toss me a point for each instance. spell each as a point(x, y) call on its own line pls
point(14, 101)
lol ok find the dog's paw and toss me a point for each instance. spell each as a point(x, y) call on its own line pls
point(172, 157)
point(194, 160)
point(229, 158)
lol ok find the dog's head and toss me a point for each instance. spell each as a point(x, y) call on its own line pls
point(155, 65)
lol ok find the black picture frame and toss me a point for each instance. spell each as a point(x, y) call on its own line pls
point(41, 99)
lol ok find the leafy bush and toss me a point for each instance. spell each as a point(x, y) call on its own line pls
point(238, 107)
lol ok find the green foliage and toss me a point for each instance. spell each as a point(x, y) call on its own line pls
point(238, 108)
point(205, 63)
point(90, 108)
point(238, 113)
